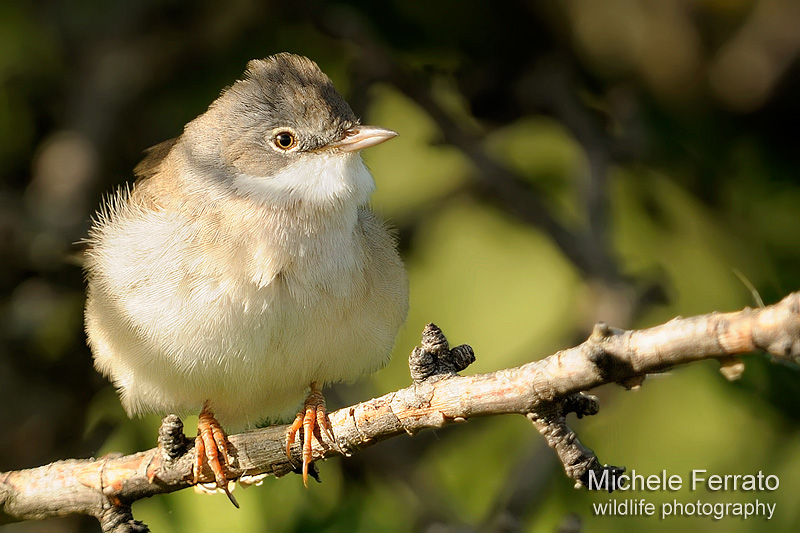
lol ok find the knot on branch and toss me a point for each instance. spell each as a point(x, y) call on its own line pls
point(579, 461)
point(613, 367)
point(777, 331)
point(119, 519)
point(581, 404)
point(171, 440)
point(435, 358)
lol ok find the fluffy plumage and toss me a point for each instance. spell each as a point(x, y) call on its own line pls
point(236, 272)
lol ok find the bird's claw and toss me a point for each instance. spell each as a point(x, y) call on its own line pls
point(313, 416)
point(211, 446)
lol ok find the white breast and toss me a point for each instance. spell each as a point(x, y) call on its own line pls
point(240, 302)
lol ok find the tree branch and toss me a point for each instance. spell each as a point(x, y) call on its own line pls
point(545, 391)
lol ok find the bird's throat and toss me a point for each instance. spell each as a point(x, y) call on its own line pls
point(315, 181)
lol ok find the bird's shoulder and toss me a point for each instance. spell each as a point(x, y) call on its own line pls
point(141, 209)
point(153, 158)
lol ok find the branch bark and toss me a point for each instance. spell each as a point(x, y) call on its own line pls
point(545, 391)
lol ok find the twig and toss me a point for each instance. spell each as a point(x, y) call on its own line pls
point(545, 391)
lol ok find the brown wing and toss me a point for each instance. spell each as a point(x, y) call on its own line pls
point(153, 157)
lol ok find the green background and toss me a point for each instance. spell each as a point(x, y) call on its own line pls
point(559, 163)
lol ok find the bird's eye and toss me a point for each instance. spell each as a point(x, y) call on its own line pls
point(285, 140)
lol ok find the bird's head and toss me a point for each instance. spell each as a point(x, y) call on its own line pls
point(284, 135)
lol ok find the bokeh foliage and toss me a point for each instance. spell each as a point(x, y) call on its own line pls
point(559, 163)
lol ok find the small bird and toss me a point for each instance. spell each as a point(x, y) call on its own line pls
point(244, 268)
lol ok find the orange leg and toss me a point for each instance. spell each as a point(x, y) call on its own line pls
point(211, 446)
point(313, 416)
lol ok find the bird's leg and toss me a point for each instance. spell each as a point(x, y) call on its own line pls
point(211, 446)
point(314, 415)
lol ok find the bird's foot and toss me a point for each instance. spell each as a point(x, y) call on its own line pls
point(314, 416)
point(211, 446)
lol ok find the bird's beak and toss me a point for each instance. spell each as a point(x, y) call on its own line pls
point(360, 137)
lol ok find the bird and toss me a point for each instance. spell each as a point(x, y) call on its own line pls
point(244, 269)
